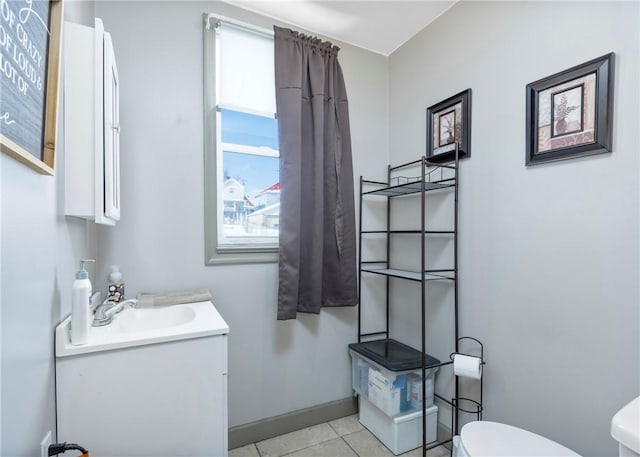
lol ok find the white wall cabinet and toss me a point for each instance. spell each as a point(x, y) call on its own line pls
point(91, 124)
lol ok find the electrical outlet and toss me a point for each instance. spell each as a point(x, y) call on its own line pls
point(44, 445)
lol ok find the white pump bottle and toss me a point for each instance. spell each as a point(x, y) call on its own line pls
point(80, 306)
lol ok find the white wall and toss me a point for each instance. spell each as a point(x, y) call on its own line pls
point(274, 367)
point(39, 253)
point(548, 254)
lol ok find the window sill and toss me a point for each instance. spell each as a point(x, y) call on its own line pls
point(238, 256)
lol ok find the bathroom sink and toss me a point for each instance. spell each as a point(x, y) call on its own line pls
point(139, 320)
point(141, 326)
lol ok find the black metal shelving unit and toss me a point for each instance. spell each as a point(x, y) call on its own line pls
point(434, 177)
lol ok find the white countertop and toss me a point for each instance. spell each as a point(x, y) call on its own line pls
point(199, 320)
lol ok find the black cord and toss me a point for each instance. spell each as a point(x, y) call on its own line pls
point(60, 448)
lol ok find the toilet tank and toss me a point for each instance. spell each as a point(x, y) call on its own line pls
point(625, 429)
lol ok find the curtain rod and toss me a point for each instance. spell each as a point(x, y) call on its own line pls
point(212, 19)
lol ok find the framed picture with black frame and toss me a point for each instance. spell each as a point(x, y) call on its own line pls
point(448, 125)
point(569, 114)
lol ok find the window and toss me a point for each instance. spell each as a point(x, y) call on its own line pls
point(241, 144)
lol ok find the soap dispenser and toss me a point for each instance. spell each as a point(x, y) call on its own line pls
point(116, 285)
point(80, 306)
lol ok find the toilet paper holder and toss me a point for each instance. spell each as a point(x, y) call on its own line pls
point(482, 362)
point(461, 404)
point(481, 357)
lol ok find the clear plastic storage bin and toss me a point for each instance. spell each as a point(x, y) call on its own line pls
point(388, 374)
point(400, 433)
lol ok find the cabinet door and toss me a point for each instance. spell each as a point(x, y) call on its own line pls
point(111, 133)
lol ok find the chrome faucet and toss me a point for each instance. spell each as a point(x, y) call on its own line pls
point(106, 311)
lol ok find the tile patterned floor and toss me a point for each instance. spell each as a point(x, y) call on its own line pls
point(344, 437)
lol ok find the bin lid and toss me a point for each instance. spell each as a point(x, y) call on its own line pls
point(433, 409)
point(393, 355)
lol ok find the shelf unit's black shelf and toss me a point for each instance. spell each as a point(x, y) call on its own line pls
point(433, 177)
point(410, 188)
point(409, 232)
point(428, 275)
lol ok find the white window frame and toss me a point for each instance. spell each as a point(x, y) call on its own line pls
point(213, 170)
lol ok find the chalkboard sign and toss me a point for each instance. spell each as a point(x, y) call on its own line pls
point(29, 75)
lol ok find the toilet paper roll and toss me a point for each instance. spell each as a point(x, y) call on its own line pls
point(467, 366)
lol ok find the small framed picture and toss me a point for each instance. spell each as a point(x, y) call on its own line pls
point(569, 113)
point(448, 126)
point(447, 123)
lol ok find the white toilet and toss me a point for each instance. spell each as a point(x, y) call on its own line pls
point(494, 439)
point(625, 429)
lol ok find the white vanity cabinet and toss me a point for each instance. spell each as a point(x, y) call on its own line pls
point(91, 124)
point(151, 383)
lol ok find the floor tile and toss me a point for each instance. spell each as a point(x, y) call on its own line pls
point(346, 425)
point(294, 441)
point(367, 445)
point(332, 448)
point(439, 451)
point(417, 452)
point(244, 451)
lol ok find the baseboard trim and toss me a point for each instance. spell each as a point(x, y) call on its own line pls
point(444, 433)
point(252, 432)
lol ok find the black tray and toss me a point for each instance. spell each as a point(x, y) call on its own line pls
point(393, 355)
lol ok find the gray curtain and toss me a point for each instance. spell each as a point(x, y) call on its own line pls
point(317, 222)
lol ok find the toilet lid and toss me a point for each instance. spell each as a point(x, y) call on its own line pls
point(495, 439)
